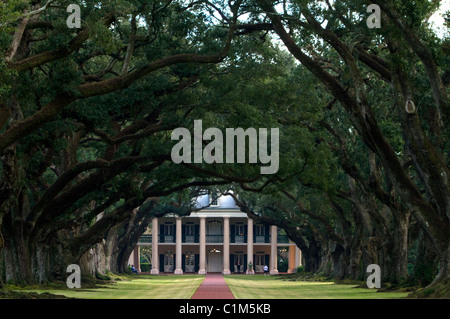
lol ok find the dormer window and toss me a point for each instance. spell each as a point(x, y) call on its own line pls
point(213, 199)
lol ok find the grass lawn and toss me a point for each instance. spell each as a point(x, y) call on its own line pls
point(242, 287)
point(273, 287)
point(140, 287)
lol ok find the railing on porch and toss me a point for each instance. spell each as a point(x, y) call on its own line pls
point(214, 238)
point(190, 238)
point(169, 239)
point(239, 239)
point(262, 239)
point(145, 239)
point(281, 239)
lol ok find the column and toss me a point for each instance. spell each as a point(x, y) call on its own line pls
point(292, 260)
point(250, 246)
point(136, 260)
point(202, 269)
point(226, 246)
point(178, 251)
point(273, 250)
point(155, 253)
point(298, 257)
point(131, 259)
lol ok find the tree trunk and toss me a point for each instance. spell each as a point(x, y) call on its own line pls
point(400, 248)
point(426, 266)
point(312, 260)
point(2, 244)
point(17, 256)
point(443, 277)
point(339, 259)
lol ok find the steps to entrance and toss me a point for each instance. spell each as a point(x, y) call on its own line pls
point(213, 287)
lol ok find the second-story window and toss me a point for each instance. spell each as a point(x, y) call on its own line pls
point(169, 233)
point(240, 233)
point(169, 229)
point(190, 229)
point(259, 233)
point(240, 230)
point(259, 230)
point(189, 233)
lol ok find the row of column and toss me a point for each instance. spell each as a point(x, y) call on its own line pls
point(226, 247)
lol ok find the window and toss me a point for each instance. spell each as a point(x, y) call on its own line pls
point(190, 261)
point(169, 229)
point(239, 232)
point(213, 199)
point(190, 230)
point(169, 233)
point(168, 261)
point(189, 233)
point(259, 230)
point(259, 261)
point(239, 262)
point(240, 229)
point(259, 234)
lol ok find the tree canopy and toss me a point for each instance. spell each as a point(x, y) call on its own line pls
point(86, 116)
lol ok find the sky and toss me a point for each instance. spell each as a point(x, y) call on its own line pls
point(437, 20)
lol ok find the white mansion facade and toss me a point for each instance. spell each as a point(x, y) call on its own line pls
point(217, 238)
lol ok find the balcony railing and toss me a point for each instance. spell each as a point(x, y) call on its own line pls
point(239, 239)
point(145, 239)
point(261, 239)
point(190, 238)
point(170, 239)
point(214, 238)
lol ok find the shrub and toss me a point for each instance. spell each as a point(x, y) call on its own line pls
point(146, 267)
point(300, 270)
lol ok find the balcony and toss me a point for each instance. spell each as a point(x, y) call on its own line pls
point(213, 239)
point(191, 239)
point(239, 239)
point(145, 239)
point(262, 239)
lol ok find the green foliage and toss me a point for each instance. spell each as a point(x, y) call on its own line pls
point(425, 273)
point(10, 11)
point(259, 84)
point(300, 270)
point(146, 267)
point(6, 75)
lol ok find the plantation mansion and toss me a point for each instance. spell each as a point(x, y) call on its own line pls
point(217, 238)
